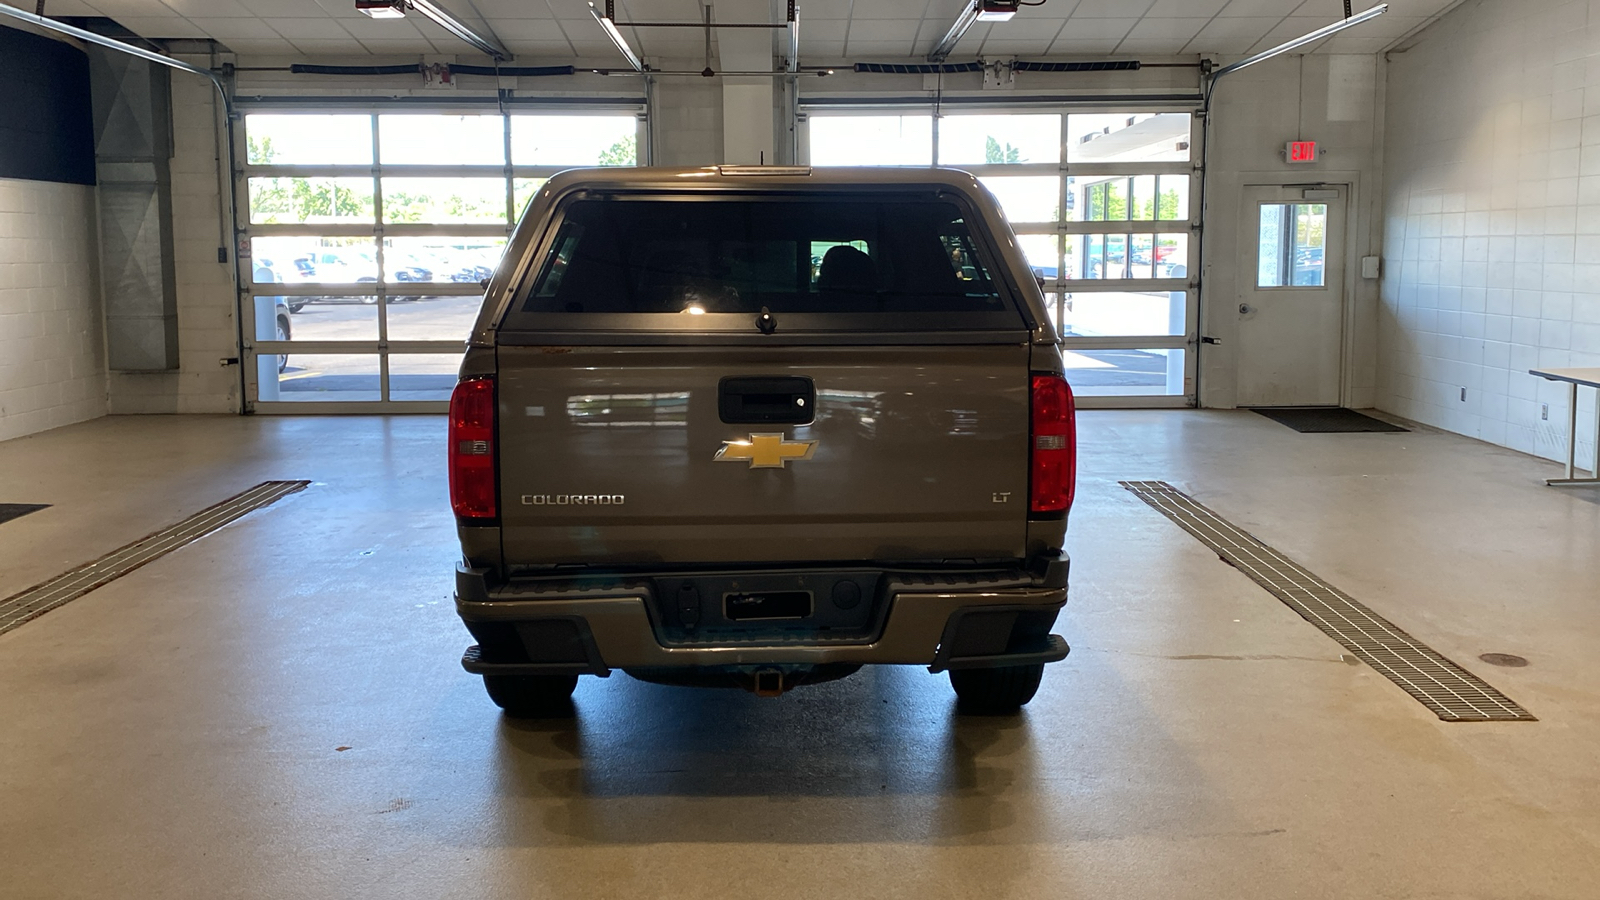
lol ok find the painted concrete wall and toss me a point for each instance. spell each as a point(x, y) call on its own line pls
point(686, 128)
point(52, 343)
point(1492, 222)
point(52, 346)
point(207, 333)
point(1333, 100)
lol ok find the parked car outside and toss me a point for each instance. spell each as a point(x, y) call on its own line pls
point(265, 271)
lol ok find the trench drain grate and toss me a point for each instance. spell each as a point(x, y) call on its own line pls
point(1451, 692)
point(70, 585)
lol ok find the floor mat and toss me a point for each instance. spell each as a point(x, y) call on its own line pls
point(1325, 419)
point(9, 511)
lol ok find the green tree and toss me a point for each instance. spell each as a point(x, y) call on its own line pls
point(994, 153)
point(1108, 202)
point(260, 150)
point(623, 153)
point(287, 199)
point(400, 206)
point(1169, 206)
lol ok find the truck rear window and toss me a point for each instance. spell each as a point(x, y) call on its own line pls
point(806, 256)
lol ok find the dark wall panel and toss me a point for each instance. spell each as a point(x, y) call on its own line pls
point(46, 126)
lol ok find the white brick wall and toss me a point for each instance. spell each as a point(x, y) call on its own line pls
point(206, 330)
point(52, 354)
point(1492, 222)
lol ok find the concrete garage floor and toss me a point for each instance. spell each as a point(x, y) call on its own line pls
point(177, 733)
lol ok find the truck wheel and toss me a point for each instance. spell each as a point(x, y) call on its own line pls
point(1001, 689)
point(530, 696)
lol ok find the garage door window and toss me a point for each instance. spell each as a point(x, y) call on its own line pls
point(1102, 205)
point(367, 236)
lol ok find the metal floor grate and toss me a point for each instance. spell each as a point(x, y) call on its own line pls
point(1451, 692)
point(69, 586)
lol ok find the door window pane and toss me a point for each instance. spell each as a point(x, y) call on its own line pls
point(1026, 198)
point(1124, 373)
point(286, 140)
point(433, 318)
point(460, 260)
point(296, 318)
point(423, 376)
point(1293, 241)
point(298, 200)
point(441, 140)
point(1108, 256)
point(1043, 254)
point(1101, 199)
point(444, 201)
point(574, 141)
point(326, 377)
point(999, 140)
point(1172, 198)
point(1085, 314)
point(871, 140)
point(1128, 137)
point(1124, 198)
point(313, 260)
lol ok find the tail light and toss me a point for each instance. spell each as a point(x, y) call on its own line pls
point(472, 451)
point(1054, 459)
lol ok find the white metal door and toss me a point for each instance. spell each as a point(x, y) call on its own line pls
point(1291, 299)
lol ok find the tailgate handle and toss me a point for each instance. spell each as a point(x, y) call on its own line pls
point(767, 400)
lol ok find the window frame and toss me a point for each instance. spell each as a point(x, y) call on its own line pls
point(1290, 247)
point(864, 327)
point(1066, 169)
point(256, 352)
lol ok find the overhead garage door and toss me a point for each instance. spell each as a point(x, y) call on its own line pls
point(365, 236)
point(1103, 206)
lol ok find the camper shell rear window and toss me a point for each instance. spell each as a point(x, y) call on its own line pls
point(703, 261)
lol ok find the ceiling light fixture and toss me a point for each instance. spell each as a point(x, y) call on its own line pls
point(608, 24)
point(975, 11)
point(382, 9)
point(997, 10)
point(1301, 41)
point(793, 21)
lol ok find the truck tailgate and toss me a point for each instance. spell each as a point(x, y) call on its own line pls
point(608, 456)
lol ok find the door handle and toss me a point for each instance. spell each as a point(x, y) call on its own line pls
point(1246, 309)
point(767, 400)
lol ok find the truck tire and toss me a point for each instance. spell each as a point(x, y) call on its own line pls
point(531, 696)
point(1002, 689)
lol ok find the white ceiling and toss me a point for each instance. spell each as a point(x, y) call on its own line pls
point(831, 30)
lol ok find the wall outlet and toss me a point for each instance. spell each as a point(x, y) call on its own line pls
point(1544, 411)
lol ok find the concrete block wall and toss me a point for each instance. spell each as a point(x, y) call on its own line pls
point(687, 127)
point(207, 332)
point(52, 347)
point(1492, 222)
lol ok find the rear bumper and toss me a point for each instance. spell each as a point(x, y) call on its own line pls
point(607, 628)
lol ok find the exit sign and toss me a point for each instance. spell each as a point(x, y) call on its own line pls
point(1302, 152)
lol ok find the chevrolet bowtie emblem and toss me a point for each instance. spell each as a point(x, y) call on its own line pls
point(765, 451)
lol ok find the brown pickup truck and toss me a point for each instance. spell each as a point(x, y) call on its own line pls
point(759, 427)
